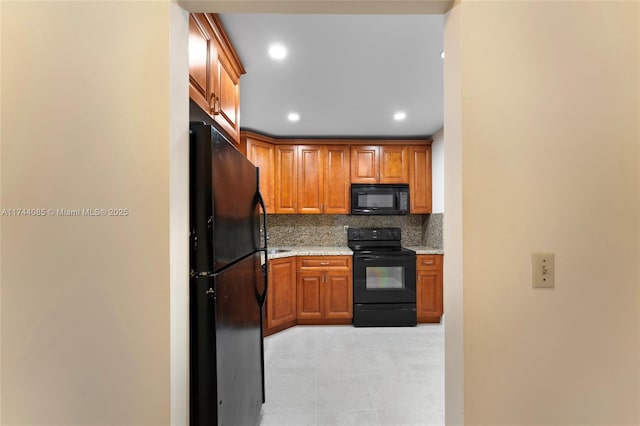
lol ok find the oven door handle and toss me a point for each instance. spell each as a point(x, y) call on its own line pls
point(370, 257)
point(380, 258)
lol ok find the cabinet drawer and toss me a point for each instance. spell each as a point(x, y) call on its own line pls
point(322, 262)
point(428, 261)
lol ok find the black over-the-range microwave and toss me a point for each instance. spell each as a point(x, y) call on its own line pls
point(391, 199)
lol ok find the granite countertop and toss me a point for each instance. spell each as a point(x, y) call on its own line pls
point(426, 250)
point(336, 251)
point(310, 251)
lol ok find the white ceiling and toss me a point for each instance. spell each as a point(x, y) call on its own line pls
point(346, 75)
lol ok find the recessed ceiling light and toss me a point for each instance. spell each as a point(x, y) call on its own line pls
point(399, 116)
point(442, 54)
point(277, 51)
point(293, 116)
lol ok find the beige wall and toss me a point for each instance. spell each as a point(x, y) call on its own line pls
point(453, 229)
point(550, 146)
point(85, 300)
point(179, 213)
point(437, 171)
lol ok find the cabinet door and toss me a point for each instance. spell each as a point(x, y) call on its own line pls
point(310, 297)
point(281, 297)
point(420, 178)
point(227, 111)
point(200, 38)
point(337, 180)
point(310, 179)
point(393, 164)
point(338, 294)
point(214, 73)
point(429, 288)
point(261, 154)
point(286, 179)
point(365, 164)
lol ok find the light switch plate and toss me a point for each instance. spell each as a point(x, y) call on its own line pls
point(543, 270)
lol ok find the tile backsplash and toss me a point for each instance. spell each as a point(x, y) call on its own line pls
point(432, 231)
point(329, 230)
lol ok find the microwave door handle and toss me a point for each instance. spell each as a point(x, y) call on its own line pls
point(397, 201)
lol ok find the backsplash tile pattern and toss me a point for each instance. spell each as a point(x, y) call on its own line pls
point(328, 230)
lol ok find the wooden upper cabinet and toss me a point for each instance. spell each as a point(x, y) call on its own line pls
point(214, 72)
point(337, 194)
point(323, 179)
point(300, 177)
point(286, 182)
point(420, 179)
point(262, 155)
point(393, 164)
point(379, 164)
point(365, 164)
point(227, 82)
point(310, 179)
point(199, 79)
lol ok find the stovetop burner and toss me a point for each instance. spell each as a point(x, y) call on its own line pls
point(373, 250)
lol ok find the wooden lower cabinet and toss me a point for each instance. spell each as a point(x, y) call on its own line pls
point(281, 296)
point(310, 295)
point(429, 287)
point(308, 290)
point(324, 290)
point(338, 298)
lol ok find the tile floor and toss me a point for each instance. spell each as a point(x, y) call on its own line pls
point(341, 375)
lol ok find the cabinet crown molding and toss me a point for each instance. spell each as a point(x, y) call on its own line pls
point(333, 141)
point(227, 47)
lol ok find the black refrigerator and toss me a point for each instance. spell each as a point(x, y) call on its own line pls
point(228, 283)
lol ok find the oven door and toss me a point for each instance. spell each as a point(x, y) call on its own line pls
point(384, 277)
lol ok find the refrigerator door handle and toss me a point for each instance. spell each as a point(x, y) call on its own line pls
point(265, 267)
point(264, 219)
